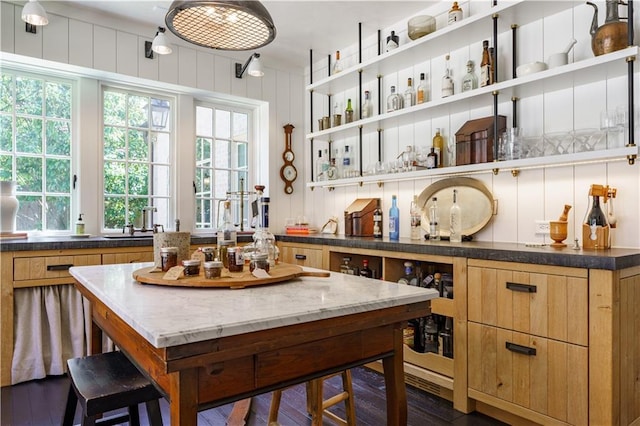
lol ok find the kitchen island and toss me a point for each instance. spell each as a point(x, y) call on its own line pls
point(207, 347)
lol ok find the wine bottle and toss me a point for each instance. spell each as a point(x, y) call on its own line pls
point(421, 92)
point(394, 220)
point(377, 221)
point(432, 159)
point(348, 112)
point(434, 226)
point(337, 65)
point(455, 14)
point(447, 338)
point(416, 218)
point(470, 80)
point(394, 100)
point(485, 65)
point(393, 41)
point(596, 216)
point(367, 106)
point(438, 144)
point(455, 220)
point(409, 94)
point(365, 271)
point(447, 81)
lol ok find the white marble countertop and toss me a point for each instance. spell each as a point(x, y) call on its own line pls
point(168, 316)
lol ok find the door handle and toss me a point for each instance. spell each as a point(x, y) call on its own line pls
point(301, 257)
point(524, 288)
point(524, 350)
point(59, 267)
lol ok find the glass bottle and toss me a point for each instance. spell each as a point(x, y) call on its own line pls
point(408, 159)
point(470, 80)
point(337, 65)
point(332, 170)
point(596, 216)
point(377, 221)
point(345, 267)
point(434, 226)
point(455, 14)
point(409, 94)
point(365, 271)
point(485, 65)
point(432, 159)
point(492, 72)
point(455, 220)
point(447, 338)
point(409, 277)
point(421, 92)
point(416, 219)
point(438, 145)
point(367, 106)
point(431, 335)
point(321, 167)
point(348, 112)
point(447, 81)
point(227, 232)
point(393, 41)
point(347, 170)
point(394, 220)
point(394, 100)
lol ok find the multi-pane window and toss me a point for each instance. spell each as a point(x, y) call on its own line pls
point(222, 159)
point(36, 149)
point(137, 146)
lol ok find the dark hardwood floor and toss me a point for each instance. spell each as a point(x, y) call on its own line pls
point(41, 403)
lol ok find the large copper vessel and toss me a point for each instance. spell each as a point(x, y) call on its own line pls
point(610, 36)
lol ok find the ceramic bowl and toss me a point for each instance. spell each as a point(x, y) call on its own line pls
point(530, 68)
point(420, 26)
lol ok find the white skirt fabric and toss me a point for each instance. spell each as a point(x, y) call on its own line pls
point(51, 325)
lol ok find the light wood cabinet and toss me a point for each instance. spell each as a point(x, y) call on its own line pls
point(45, 269)
point(145, 254)
point(302, 254)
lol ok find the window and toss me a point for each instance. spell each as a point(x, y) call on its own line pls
point(137, 145)
point(36, 149)
point(222, 159)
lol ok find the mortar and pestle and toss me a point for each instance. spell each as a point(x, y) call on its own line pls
point(558, 228)
point(561, 58)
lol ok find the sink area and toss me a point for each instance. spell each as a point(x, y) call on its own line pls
point(126, 236)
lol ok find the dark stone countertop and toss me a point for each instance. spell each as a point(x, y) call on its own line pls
point(610, 259)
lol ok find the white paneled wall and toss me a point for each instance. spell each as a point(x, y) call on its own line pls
point(109, 46)
point(533, 194)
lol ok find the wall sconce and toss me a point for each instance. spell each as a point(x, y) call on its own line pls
point(253, 67)
point(159, 45)
point(159, 113)
point(33, 14)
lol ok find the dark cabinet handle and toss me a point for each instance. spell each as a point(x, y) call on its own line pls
point(59, 267)
point(524, 288)
point(301, 257)
point(524, 350)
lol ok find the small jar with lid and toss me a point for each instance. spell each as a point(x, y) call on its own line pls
point(212, 269)
point(259, 261)
point(222, 252)
point(168, 258)
point(209, 253)
point(235, 259)
point(191, 267)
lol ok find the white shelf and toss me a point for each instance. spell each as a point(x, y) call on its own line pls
point(607, 155)
point(441, 41)
point(587, 68)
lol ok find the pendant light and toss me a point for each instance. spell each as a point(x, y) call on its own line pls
point(33, 13)
point(222, 25)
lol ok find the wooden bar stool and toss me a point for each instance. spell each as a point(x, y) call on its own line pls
point(106, 382)
point(317, 407)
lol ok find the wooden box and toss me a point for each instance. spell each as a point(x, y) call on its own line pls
point(475, 140)
point(358, 218)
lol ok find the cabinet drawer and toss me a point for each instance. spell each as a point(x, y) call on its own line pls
point(48, 267)
point(547, 305)
point(129, 257)
point(302, 256)
point(544, 375)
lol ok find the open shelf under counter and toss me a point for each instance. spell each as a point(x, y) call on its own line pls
point(512, 166)
point(589, 70)
point(443, 40)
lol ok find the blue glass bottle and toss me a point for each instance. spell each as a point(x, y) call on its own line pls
point(394, 220)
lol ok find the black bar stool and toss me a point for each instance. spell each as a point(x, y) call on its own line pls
point(106, 382)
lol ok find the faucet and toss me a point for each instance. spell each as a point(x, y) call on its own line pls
point(146, 209)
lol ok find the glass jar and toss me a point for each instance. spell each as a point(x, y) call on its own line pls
point(260, 261)
point(191, 267)
point(212, 269)
point(235, 259)
point(222, 252)
point(209, 253)
point(168, 258)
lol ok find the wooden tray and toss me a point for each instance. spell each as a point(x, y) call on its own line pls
point(280, 272)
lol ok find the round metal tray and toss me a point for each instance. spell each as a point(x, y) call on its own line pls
point(475, 200)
